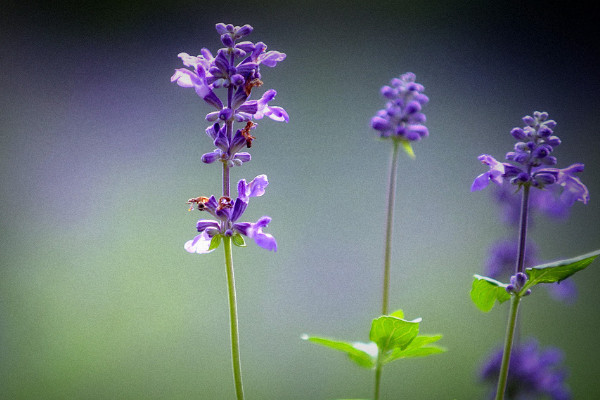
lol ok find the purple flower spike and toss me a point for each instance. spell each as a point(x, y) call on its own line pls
point(533, 153)
point(402, 119)
point(235, 68)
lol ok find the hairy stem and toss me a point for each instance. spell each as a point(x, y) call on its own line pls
point(233, 319)
point(389, 227)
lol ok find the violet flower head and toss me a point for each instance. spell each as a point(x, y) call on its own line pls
point(402, 119)
point(532, 373)
point(227, 212)
point(531, 163)
point(234, 72)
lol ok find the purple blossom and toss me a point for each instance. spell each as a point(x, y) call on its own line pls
point(533, 372)
point(227, 213)
point(402, 118)
point(235, 68)
point(531, 163)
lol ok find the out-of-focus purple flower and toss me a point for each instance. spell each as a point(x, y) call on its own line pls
point(227, 212)
point(402, 118)
point(546, 202)
point(533, 372)
point(502, 256)
point(536, 141)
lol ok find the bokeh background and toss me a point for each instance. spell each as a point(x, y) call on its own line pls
point(99, 152)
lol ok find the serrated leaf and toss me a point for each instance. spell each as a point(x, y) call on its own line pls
point(353, 350)
point(392, 332)
point(421, 346)
point(486, 291)
point(215, 242)
point(238, 240)
point(558, 270)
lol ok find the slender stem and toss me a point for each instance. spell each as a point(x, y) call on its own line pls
point(377, 379)
point(225, 179)
point(388, 228)
point(510, 330)
point(233, 319)
point(523, 230)
point(514, 305)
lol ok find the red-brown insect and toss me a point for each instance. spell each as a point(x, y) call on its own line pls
point(225, 202)
point(199, 201)
point(246, 133)
point(251, 84)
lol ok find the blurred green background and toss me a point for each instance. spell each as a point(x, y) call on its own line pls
point(99, 152)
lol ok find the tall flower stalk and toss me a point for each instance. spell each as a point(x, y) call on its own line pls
point(531, 168)
point(401, 121)
point(391, 336)
point(236, 69)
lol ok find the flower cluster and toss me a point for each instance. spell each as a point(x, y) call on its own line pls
point(533, 372)
point(228, 212)
point(236, 68)
point(531, 162)
point(402, 119)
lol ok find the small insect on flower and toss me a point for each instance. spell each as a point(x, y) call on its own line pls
point(199, 201)
point(252, 84)
point(225, 202)
point(246, 133)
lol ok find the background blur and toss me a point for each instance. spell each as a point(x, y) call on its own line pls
point(99, 152)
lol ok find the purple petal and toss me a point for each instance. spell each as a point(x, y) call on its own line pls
point(480, 182)
point(277, 114)
point(204, 224)
point(198, 244)
point(238, 209)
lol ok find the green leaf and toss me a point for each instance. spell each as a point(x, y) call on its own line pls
point(238, 240)
point(215, 242)
point(392, 332)
point(358, 352)
point(398, 314)
point(408, 148)
point(486, 291)
point(421, 346)
point(558, 270)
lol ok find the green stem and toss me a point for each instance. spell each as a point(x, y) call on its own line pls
point(510, 331)
point(377, 378)
point(233, 319)
point(388, 228)
point(515, 300)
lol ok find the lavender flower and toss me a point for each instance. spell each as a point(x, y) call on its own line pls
point(236, 68)
point(402, 119)
point(227, 212)
point(532, 161)
point(533, 372)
